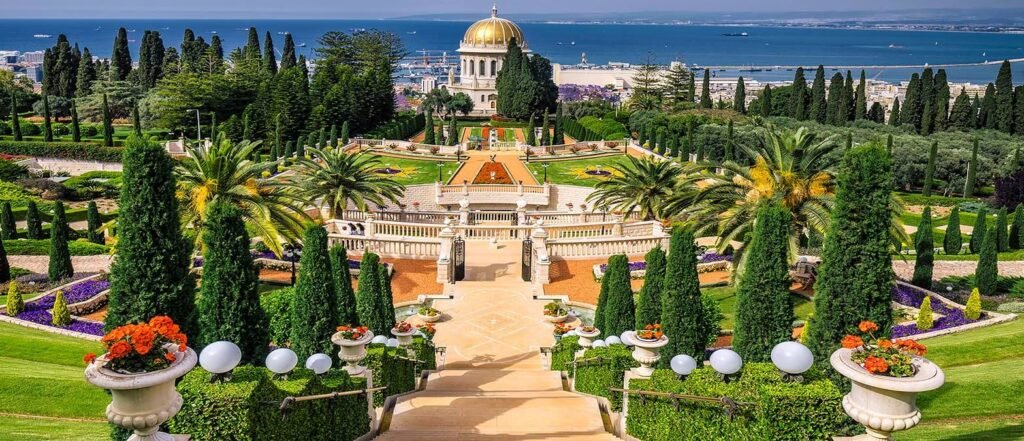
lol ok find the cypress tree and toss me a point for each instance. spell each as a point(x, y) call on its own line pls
point(93, 223)
point(1002, 239)
point(15, 121)
point(729, 143)
point(942, 94)
point(660, 143)
point(1004, 98)
point(108, 126)
point(705, 90)
point(602, 302)
point(60, 257)
point(545, 131)
point(5, 273)
point(300, 150)
point(988, 117)
point(334, 135)
point(819, 105)
point(288, 52)
point(927, 101)
point(150, 274)
point(987, 274)
point(682, 317)
point(47, 124)
point(323, 138)
point(8, 228)
point(796, 105)
point(978, 233)
point(972, 171)
point(739, 103)
point(836, 107)
point(559, 137)
point(924, 244)
point(76, 128)
point(619, 310)
point(1017, 228)
point(912, 106)
point(691, 89)
point(137, 123)
point(952, 242)
point(531, 134)
point(269, 57)
point(895, 119)
point(453, 131)
point(888, 144)
point(1018, 110)
point(346, 296)
point(766, 101)
point(849, 100)
point(121, 57)
point(428, 130)
point(929, 174)
point(314, 310)
point(860, 106)
point(369, 297)
point(387, 299)
point(229, 304)
point(962, 116)
point(648, 307)
point(855, 279)
point(764, 312)
point(33, 222)
point(344, 134)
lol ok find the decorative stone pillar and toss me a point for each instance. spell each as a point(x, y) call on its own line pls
point(882, 404)
point(541, 271)
point(619, 219)
point(521, 211)
point(447, 235)
point(463, 211)
point(587, 338)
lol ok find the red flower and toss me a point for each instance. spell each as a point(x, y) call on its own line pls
point(852, 342)
point(867, 326)
point(876, 365)
point(119, 350)
point(884, 343)
point(89, 358)
point(170, 357)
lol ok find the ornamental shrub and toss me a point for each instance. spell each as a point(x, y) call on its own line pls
point(15, 303)
point(314, 310)
point(602, 300)
point(784, 411)
point(346, 300)
point(276, 306)
point(682, 318)
point(563, 353)
point(648, 307)
point(8, 229)
point(619, 310)
point(952, 242)
point(61, 317)
point(925, 320)
point(973, 307)
point(1015, 241)
point(601, 368)
point(33, 222)
point(987, 273)
point(5, 266)
point(1002, 239)
point(764, 312)
point(924, 245)
point(393, 367)
point(93, 222)
point(855, 279)
point(85, 151)
point(151, 272)
point(229, 304)
point(387, 302)
point(369, 297)
point(978, 233)
point(60, 257)
point(1012, 307)
point(242, 408)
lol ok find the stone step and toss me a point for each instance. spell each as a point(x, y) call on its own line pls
point(418, 435)
point(507, 414)
point(494, 380)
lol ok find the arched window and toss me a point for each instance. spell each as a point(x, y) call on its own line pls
point(483, 99)
point(482, 66)
point(472, 68)
point(494, 68)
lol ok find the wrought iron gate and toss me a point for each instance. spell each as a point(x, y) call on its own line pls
point(527, 268)
point(459, 259)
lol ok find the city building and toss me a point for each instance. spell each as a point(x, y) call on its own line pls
point(481, 53)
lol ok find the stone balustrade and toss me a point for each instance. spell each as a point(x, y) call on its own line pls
point(390, 230)
point(413, 215)
point(492, 194)
point(590, 248)
point(391, 247)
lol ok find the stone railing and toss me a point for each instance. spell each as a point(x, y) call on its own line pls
point(604, 246)
point(492, 194)
point(391, 247)
point(389, 229)
point(413, 215)
point(578, 148)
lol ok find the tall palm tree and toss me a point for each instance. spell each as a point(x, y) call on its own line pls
point(336, 179)
point(641, 184)
point(224, 171)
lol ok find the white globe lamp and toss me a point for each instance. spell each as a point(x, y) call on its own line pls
point(391, 343)
point(792, 358)
point(613, 340)
point(683, 365)
point(282, 361)
point(319, 363)
point(599, 343)
point(726, 362)
point(379, 339)
point(627, 338)
point(219, 358)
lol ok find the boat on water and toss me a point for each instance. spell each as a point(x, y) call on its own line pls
point(735, 34)
point(302, 44)
point(411, 32)
point(895, 46)
point(42, 36)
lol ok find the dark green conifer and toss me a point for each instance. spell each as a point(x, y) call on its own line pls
point(314, 310)
point(972, 171)
point(121, 58)
point(648, 307)
point(739, 102)
point(682, 316)
point(108, 125)
point(819, 104)
point(33, 222)
point(705, 90)
point(93, 223)
point(387, 298)
point(978, 233)
point(1004, 98)
point(924, 245)
point(342, 274)
point(1017, 228)
point(76, 128)
point(952, 242)
point(8, 227)
point(987, 275)
point(368, 297)
point(60, 256)
point(47, 124)
point(929, 174)
point(1002, 239)
point(619, 310)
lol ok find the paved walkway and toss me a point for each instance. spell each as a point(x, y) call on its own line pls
point(476, 159)
point(944, 268)
point(40, 264)
point(494, 385)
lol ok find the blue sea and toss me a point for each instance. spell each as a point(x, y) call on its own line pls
point(602, 43)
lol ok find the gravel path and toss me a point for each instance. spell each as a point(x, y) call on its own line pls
point(945, 268)
point(39, 264)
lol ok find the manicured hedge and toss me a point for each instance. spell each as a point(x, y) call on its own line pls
point(595, 378)
point(246, 408)
point(783, 411)
point(277, 307)
point(604, 128)
point(41, 247)
point(563, 353)
point(392, 367)
point(86, 151)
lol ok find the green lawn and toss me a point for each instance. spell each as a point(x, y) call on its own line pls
point(417, 171)
point(983, 398)
point(42, 382)
point(572, 172)
point(726, 297)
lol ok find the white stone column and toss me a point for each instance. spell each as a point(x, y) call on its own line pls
point(521, 212)
point(619, 219)
point(463, 211)
point(368, 225)
point(447, 236)
point(541, 267)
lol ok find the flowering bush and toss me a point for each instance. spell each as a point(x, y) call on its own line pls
point(352, 332)
point(402, 327)
point(554, 309)
point(650, 332)
point(427, 311)
point(428, 330)
point(143, 347)
point(881, 356)
point(562, 329)
point(588, 328)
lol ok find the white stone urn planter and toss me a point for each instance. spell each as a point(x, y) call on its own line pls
point(556, 318)
point(586, 339)
point(429, 318)
point(646, 352)
point(352, 351)
point(142, 402)
point(881, 403)
point(404, 338)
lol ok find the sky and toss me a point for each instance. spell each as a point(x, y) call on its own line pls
point(342, 9)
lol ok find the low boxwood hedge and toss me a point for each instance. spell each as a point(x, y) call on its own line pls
point(85, 151)
point(781, 411)
point(602, 368)
point(246, 408)
point(41, 247)
point(394, 368)
point(563, 352)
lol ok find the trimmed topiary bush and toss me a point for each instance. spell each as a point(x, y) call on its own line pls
point(387, 302)
point(1002, 239)
point(343, 286)
point(924, 245)
point(619, 311)
point(60, 257)
point(15, 303)
point(277, 306)
point(973, 307)
point(369, 298)
point(764, 311)
point(33, 223)
point(563, 353)
point(8, 229)
point(987, 273)
point(783, 411)
point(978, 233)
point(648, 307)
point(682, 318)
point(313, 310)
point(1015, 228)
point(925, 320)
point(391, 366)
point(61, 317)
point(64, 150)
point(93, 224)
point(952, 242)
point(601, 368)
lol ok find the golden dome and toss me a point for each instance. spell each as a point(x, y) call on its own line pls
point(493, 31)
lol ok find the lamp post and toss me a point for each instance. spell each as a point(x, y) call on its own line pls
point(199, 127)
point(440, 168)
point(293, 255)
point(545, 165)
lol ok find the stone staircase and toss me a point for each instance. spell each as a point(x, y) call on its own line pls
point(496, 404)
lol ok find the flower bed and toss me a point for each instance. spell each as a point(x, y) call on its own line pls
point(911, 296)
point(501, 175)
point(38, 310)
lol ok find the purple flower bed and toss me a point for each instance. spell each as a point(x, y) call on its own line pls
point(43, 317)
point(912, 297)
point(38, 311)
point(711, 256)
point(633, 266)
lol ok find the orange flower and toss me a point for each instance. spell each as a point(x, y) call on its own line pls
point(170, 357)
point(142, 338)
point(884, 343)
point(876, 365)
point(867, 326)
point(89, 358)
point(912, 346)
point(119, 349)
point(852, 342)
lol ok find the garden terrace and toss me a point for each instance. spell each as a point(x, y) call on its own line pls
point(492, 194)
